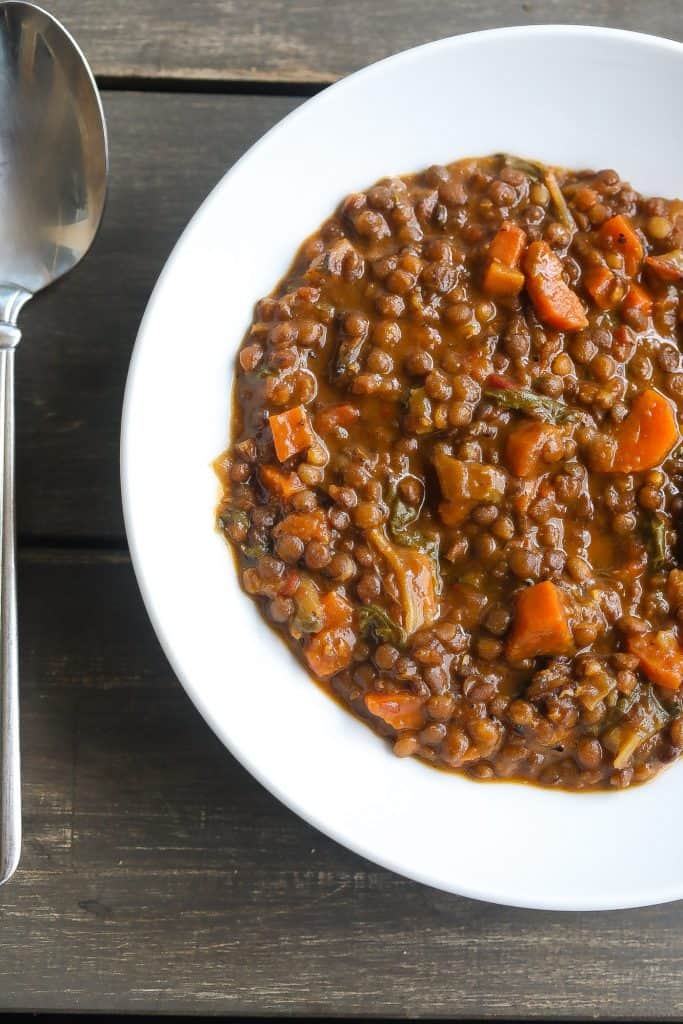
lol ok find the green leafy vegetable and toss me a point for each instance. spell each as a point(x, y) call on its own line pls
point(230, 516)
point(375, 622)
point(529, 402)
point(531, 168)
point(627, 701)
point(307, 623)
point(428, 546)
point(403, 515)
point(563, 212)
point(349, 351)
point(659, 549)
point(419, 409)
point(656, 712)
point(255, 550)
point(265, 371)
point(646, 717)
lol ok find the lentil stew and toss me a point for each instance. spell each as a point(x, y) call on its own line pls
point(455, 478)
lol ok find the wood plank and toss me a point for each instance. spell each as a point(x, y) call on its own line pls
point(309, 41)
point(157, 876)
point(167, 152)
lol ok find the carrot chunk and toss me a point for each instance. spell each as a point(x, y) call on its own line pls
point(603, 287)
point(284, 485)
point(638, 298)
point(502, 280)
point(336, 416)
point(540, 624)
point(337, 611)
point(399, 710)
point(331, 649)
point(292, 432)
point(463, 481)
point(556, 304)
point(501, 276)
point(508, 244)
point(619, 235)
point(647, 435)
point(669, 266)
point(306, 525)
point(526, 444)
point(661, 657)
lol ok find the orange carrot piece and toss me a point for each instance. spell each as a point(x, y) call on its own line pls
point(661, 657)
point(669, 266)
point(399, 710)
point(556, 304)
point(540, 625)
point(619, 235)
point(502, 280)
point(508, 244)
point(337, 611)
point(330, 650)
point(292, 432)
point(452, 513)
point(336, 416)
point(284, 485)
point(647, 435)
point(638, 298)
point(306, 525)
point(603, 287)
point(525, 446)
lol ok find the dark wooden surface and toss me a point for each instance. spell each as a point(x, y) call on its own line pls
point(156, 875)
point(311, 41)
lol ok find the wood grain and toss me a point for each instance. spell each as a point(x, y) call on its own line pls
point(167, 152)
point(310, 41)
point(157, 876)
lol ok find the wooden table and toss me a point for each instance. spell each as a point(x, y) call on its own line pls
point(156, 874)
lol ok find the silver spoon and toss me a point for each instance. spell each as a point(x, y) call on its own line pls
point(53, 174)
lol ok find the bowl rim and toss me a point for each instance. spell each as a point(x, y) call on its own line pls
point(647, 895)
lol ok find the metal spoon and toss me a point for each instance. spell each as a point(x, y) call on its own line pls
point(53, 174)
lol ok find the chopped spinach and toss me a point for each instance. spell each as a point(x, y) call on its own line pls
point(529, 402)
point(656, 536)
point(375, 622)
point(401, 516)
point(255, 550)
point(229, 516)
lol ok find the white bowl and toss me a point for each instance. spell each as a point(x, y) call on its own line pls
point(582, 97)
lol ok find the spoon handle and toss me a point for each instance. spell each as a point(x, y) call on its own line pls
point(10, 778)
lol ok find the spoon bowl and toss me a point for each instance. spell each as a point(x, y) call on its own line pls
point(53, 154)
point(53, 175)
